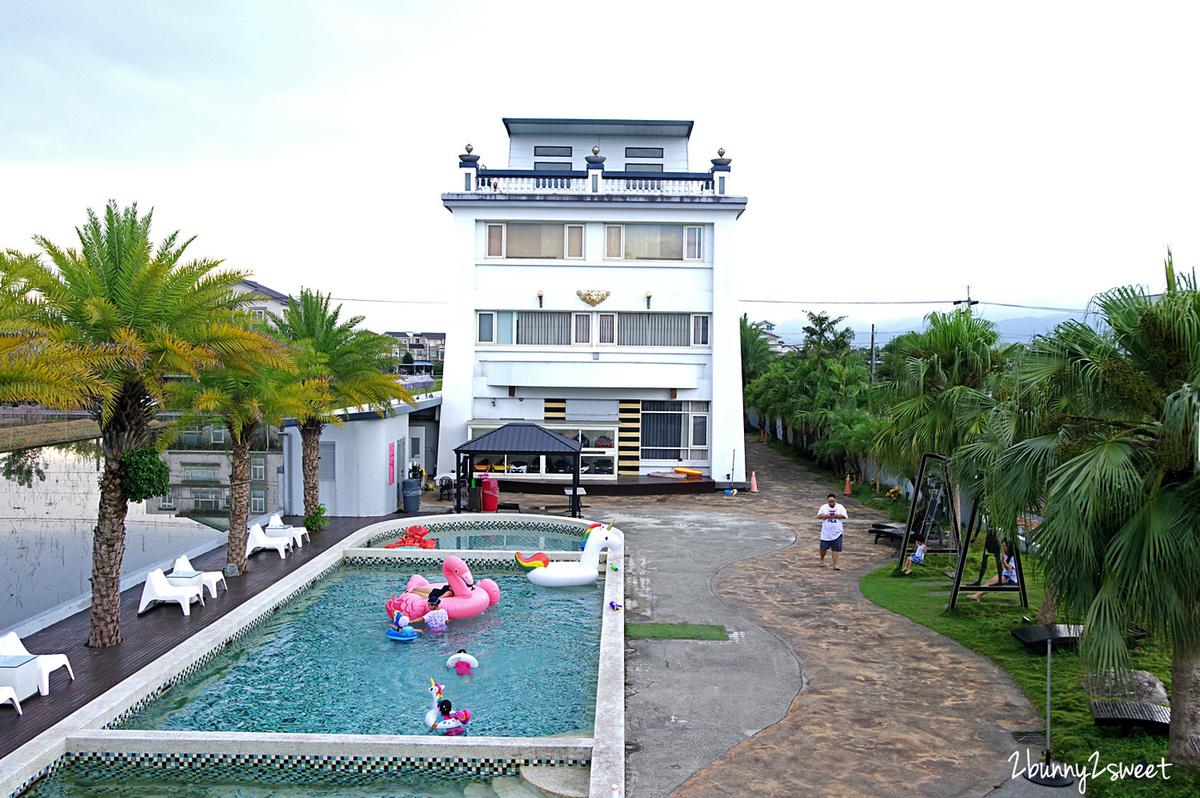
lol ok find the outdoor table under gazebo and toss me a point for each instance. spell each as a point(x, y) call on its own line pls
point(519, 438)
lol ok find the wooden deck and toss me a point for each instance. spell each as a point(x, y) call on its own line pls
point(149, 636)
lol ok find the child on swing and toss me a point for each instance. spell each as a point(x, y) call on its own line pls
point(917, 557)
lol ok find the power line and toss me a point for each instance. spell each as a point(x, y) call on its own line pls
point(909, 302)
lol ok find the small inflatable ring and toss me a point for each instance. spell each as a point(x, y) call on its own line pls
point(457, 658)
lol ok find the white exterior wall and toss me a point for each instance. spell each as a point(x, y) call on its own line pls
point(360, 487)
point(612, 147)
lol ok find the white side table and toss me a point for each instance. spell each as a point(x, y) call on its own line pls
point(187, 579)
point(20, 672)
point(296, 534)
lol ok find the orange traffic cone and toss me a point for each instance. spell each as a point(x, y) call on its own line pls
point(753, 482)
point(848, 491)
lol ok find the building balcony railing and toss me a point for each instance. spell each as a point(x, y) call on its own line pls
point(514, 181)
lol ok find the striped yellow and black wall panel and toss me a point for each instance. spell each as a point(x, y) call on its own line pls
point(555, 410)
point(629, 437)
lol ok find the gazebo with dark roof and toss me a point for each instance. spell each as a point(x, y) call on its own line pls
point(517, 438)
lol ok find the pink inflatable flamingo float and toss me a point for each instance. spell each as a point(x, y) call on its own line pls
point(470, 597)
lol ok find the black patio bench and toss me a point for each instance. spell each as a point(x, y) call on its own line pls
point(1059, 634)
point(893, 532)
point(1129, 714)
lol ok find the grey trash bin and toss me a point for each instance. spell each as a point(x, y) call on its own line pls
point(412, 495)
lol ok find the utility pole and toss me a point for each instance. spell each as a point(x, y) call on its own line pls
point(968, 301)
point(872, 380)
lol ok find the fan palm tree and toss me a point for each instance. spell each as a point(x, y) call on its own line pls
point(344, 365)
point(1118, 451)
point(756, 351)
point(949, 378)
point(164, 318)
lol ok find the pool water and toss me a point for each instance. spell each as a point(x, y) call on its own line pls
point(77, 780)
point(322, 664)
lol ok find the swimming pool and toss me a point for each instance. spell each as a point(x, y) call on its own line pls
point(596, 756)
point(322, 665)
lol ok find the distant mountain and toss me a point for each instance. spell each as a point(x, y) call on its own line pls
point(1019, 329)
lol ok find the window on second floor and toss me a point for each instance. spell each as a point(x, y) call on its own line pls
point(258, 469)
point(561, 328)
point(654, 242)
point(535, 240)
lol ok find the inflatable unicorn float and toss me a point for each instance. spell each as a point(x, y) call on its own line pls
point(540, 571)
point(470, 597)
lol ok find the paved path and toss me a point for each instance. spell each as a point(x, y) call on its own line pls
point(819, 692)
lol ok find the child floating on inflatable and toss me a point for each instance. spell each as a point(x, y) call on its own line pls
point(462, 662)
point(442, 717)
point(400, 628)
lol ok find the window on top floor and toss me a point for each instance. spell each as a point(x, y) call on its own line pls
point(643, 152)
point(551, 152)
point(535, 240)
point(654, 242)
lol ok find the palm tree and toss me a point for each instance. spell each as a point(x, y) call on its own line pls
point(34, 367)
point(344, 365)
point(246, 403)
point(165, 318)
point(950, 374)
point(1118, 451)
point(756, 351)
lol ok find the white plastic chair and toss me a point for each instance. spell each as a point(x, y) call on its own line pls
point(211, 579)
point(157, 588)
point(257, 540)
point(9, 694)
point(11, 645)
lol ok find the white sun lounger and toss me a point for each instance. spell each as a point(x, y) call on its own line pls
point(276, 523)
point(157, 588)
point(11, 645)
point(8, 694)
point(257, 540)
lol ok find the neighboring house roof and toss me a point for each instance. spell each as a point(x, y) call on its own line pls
point(617, 127)
point(520, 438)
point(270, 293)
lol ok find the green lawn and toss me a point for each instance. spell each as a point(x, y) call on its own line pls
point(985, 627)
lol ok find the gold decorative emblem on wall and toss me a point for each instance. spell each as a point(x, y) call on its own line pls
point(592, 297)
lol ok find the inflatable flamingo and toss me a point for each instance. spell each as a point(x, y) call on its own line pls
point(583, 572)
point(470, 597)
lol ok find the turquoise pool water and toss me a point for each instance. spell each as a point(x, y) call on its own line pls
point(322, 664)
point(85, 781)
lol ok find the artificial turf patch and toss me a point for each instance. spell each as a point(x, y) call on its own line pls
point(676, 631)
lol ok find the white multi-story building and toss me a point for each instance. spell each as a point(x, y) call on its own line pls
point(600, 301)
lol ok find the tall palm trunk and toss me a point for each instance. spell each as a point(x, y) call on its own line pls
point(310, 446)
point(1183, 744)
point(108, 551)
point(239, 501)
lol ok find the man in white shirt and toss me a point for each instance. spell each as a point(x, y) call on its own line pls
point(832, 515)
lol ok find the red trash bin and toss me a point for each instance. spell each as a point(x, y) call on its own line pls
point(491, 495)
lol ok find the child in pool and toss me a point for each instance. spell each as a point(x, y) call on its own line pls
point(401, 622)
point(445, 709)
point(435, 619)
point(917, 557)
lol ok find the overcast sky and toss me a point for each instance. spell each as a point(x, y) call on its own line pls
point(891, 152)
